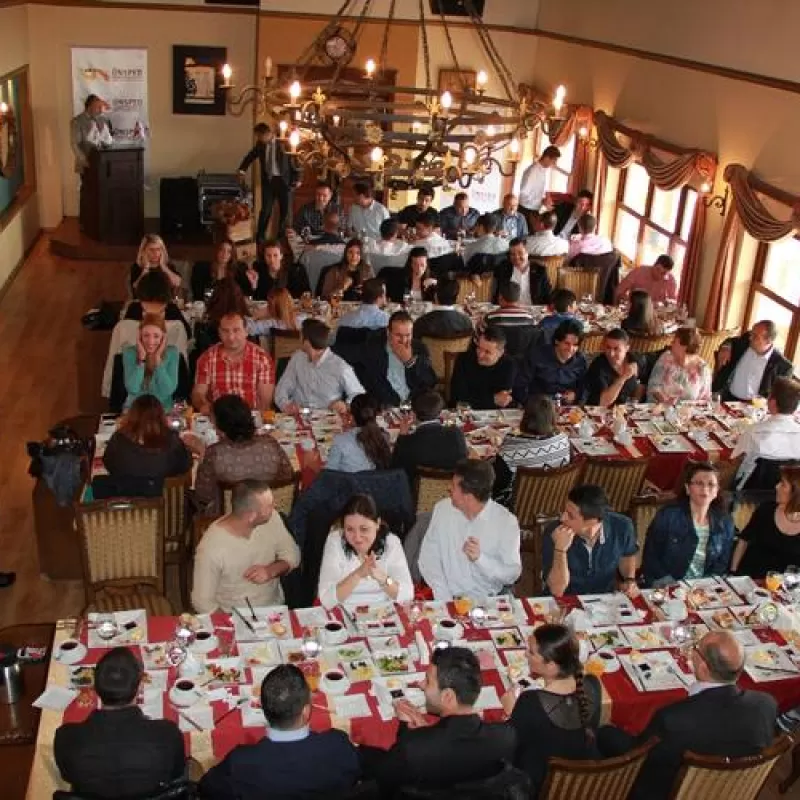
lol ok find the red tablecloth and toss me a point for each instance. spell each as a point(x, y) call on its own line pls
point(630, 709)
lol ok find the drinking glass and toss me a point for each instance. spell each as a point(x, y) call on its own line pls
point(107, 627)
point(462, 605)
point(791, 579)
point(774, 581)
point(406, 299)
point(310, 645)
point(414, 613)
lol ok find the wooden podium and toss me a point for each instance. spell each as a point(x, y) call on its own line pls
point(112, 195)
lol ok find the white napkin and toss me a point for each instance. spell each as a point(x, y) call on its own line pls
point(55, 698)
point(422, 649)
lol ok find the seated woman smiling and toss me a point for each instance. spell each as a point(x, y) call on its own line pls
point(362, 562)
point(151, 365)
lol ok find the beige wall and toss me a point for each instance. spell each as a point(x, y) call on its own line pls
point(180, 144)
point(21, 231)
point(741, 122)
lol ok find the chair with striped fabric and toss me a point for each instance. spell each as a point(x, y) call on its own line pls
point(122, 547)
point(177, 528)
point(621, 478)
point(608, 778)
point(593, 343)
point(650, 344)
point(432, 485)
point(200, 524)
point(579, 280)
point(702, 777)
point(283, 495)
point(482, 289)
point(710, 342)
point(439, 345)
point(552, 265)
point(284, 344)
point(542, 492)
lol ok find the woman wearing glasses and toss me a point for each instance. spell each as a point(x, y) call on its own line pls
point(692, 537)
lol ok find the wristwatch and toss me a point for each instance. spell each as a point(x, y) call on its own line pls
point(388, 583)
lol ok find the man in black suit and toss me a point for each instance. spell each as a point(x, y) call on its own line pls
point(279, 176)
point(483, 376)
point(459, 748)
point(395, 366)
point(444, 319)
point(117, 751)
point(290, 761)
point(748, 364)
point(432, 444)
point(568, 213)
point(717, 719)
point(534, 285)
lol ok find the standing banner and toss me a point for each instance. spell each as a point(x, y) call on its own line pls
point(118, 76)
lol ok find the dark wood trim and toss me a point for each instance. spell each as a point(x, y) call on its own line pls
point(673, 61)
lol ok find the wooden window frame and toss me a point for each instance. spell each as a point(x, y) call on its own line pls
point(757, 286)
point(645, 219)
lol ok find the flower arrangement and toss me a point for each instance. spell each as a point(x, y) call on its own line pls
point(230, 212)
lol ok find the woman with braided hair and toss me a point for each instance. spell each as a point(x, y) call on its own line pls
point(560, 719)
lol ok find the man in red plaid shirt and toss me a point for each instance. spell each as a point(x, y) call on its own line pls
point(235, 366)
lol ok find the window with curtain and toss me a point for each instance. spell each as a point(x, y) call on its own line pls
point(775, 293)
point(649, 221)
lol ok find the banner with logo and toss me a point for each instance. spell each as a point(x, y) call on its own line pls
point(118, 76)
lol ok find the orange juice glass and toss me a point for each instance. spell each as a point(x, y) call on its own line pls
point(462, 605)
point(595, 666)
point(774, 581)
point(311, 671)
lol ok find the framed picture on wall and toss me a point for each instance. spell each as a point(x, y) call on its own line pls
point(456, 80)
point(197, 79)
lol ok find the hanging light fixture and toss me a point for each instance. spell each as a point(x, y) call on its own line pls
point(423, 136)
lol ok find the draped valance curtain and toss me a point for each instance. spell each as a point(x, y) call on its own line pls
point(667, 174)
point(747, 213)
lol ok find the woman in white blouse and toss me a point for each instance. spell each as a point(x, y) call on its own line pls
point(363, 563)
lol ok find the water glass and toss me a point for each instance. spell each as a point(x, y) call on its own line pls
point(107, 627)
point(791, 579)
point(310, 646)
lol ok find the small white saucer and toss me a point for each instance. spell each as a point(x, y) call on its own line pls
point(205, 645)
point(449, 632)
point(183, 699)
point(69, 657)
point(334, 636)
point(334, 686)
point(609, 660)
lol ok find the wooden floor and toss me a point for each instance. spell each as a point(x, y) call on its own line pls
point(39, 333)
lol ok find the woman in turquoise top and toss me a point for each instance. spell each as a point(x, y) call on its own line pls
point(151, 365)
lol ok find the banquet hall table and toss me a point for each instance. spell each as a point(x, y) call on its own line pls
point(386, 650)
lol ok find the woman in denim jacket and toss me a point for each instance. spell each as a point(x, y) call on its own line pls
point(692, 537)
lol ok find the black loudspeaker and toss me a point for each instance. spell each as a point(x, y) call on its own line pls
point(180, 214)
point(456, 8)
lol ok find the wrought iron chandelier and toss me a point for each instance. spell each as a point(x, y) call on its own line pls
point(399, 136)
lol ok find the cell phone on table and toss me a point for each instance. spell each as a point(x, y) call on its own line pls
point(396, 694)
point(129, 626)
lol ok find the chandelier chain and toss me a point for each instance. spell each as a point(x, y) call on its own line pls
point(499, 65)
point(385, 43)
point(452, 49)
point(426, 55)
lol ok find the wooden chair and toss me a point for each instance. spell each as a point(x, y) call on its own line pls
point(580, 281)
point(651, 344)
point(122, 544)
point(200, 524)
point(621, 478)
point(552, 265)
point(531, 581)
point(542, 492)
point(609, 778)
point(482, 290)
point(432, 485)
point(702, 777)
point(593, 343)
point(177, 528)
point(710, 342)
point(643, 510)
point(284, 344)
point(439, 345)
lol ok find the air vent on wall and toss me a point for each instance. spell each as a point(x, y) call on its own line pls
point(455, 8)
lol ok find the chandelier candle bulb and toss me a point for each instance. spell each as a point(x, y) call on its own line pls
point(481, 79)
point(370, 67)
point(283, 126)
point(294, 91)
point(227, 74)
point(3, 108)
point(583, 132)
point(446, 101)
point(268, 67)
point(377, 155)
point(294, 140)
point(705, 187)
point(490, 130)
point(514, 147)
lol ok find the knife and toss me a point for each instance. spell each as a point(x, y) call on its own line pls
point(191, 721)
point(239, 703)
point(252, 610)
point(244, 619)
point(349, 619)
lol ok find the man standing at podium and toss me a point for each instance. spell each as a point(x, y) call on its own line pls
point(88, 128)
point(278, 177)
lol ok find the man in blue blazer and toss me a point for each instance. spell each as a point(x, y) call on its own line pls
point(290, 761)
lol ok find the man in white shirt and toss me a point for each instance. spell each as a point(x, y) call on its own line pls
point(486, 242)
point(366, 213)
point(544, 242)
point(586, 241)
point(472, 543)
point(315, 377)
point(243, 555)
point(568, 214)
point(389, 243)
point(533, 186)
point(777, 437)
point(434, 243)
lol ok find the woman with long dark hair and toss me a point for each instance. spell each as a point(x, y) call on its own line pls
point(279, 314)
point(144, 446)
point(365, 446)
point(561, 719)
point(362, 562)
point(692, 537)
point(206, 274)
point(415, 278)
point(641, 319)
point(154, 296)
point(349, 274)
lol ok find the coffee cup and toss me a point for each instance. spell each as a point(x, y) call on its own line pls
point(675, 610)
point(334, 632)
point(449, 629)
point(184, 692)
point(335, 681)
